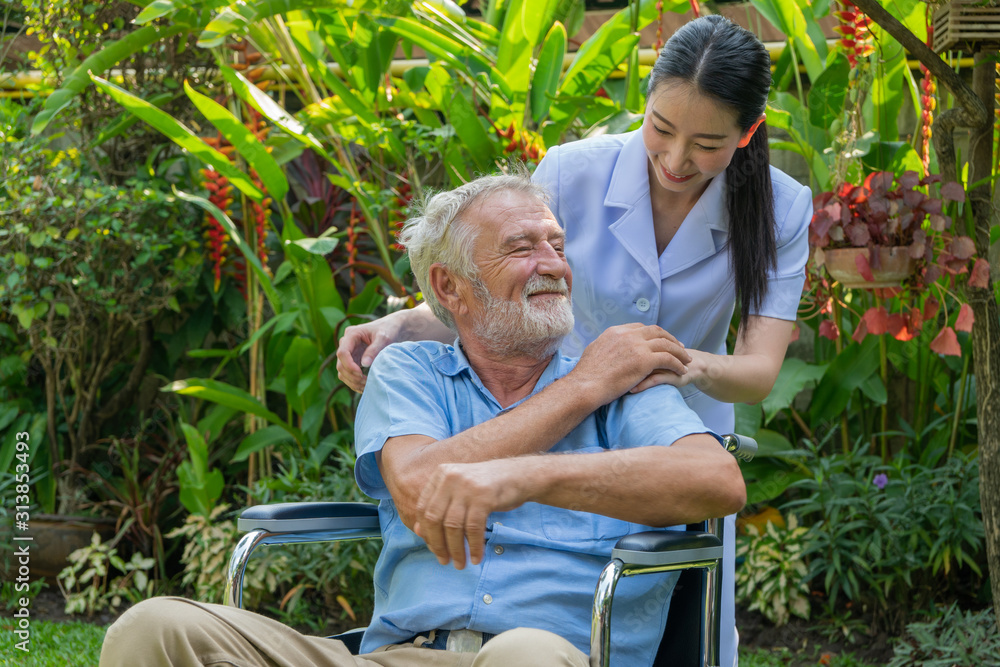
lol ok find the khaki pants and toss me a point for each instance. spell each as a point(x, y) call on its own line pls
point(174, 632)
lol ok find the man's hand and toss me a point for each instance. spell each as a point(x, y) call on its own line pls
point(459, 498)
point(622, 357)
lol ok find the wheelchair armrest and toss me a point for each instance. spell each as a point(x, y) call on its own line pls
point(666, 548)
point(309, 517)
point(288, 523)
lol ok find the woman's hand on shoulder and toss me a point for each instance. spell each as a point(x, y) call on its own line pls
point(624, 357)
point(358, 348)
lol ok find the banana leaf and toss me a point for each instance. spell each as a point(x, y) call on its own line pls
point(246, 143)
point(181, 135)
point(101, 61)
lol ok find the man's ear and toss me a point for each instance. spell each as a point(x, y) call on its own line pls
point(745, 139)
point(447, 289)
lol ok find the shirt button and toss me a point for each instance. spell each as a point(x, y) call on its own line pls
point(498, 550)
point(642, 303)
point(488, 599)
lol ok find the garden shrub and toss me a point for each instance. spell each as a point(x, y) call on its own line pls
point(956, 637)
point(209, 542)
point(89, 584)
point(87, 267)
point(772, 579)
point(891, 537)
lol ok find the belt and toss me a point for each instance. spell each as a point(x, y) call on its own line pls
point(458, 641)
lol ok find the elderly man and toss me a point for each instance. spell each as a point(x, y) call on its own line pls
point(497, 516)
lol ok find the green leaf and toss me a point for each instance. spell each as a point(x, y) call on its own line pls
point(279, 322)
point(463, 117)
point(100, 61)
point(846, 373)
point(181, 135)
point(25, 316)
point(874, 389)
point(788, 17)
point(230, 396)
point(318, 246)
point(827, 94)
point(299, 370)
point(443, 46)
point(271, 435)
point(239, 16)
point(748, 419)
point(795, 376)
point(197, 448)
point(545, 82)
point(368, 300)
point(234, 234)
point(247, 145)
point(215, 421)
point(160, 8)
point(271, 110)
point(522, 30)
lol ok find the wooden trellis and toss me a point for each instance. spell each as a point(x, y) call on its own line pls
point(966, 25)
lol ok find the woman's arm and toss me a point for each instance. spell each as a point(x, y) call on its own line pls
point(361, 343)
point(747, 375)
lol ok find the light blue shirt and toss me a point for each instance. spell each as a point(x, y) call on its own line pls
point(541, 563)
point(600, 195)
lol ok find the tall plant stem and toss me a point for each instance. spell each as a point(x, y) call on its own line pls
point(802, 97)
point(959, 404)
point(883, 368)
point(845, 440)
point(923, 362)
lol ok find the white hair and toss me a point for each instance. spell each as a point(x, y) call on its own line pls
point(444, 235)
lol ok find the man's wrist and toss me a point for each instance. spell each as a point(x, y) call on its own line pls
point(583, 391)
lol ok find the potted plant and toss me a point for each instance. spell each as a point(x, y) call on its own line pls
point(888, 231)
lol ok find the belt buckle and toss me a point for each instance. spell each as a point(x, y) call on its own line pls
point(464, 641)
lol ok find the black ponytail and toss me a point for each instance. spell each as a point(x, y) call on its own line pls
point(729, 64)
point(753, 251)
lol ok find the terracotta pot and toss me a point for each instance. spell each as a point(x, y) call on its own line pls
point(56, 537)
point(896, 266)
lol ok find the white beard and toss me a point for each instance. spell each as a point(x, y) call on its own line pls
point(522, 327)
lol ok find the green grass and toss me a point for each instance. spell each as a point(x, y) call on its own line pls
point(783, 657)
point(53, 645)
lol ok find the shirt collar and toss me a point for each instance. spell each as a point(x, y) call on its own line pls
point(630, 178)
point(451, 361)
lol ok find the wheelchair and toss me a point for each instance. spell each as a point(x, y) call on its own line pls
point(692, 634)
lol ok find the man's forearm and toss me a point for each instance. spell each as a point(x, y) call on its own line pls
point(531, 428)
point(692, 480)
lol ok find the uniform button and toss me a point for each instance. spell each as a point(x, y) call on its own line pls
point(642, 303)
point(498, 550)
point(488, 599)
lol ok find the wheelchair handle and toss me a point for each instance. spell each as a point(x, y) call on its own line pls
point(742, 447)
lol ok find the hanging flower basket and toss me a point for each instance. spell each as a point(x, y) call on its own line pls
point(891, 268)
point(966, 26)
